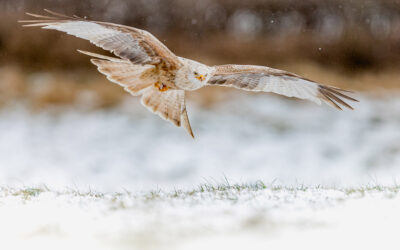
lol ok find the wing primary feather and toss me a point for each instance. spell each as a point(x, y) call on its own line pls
point(39, 21)
point(332, 94)
point(338, 100)
point(113, 59)
point(58, 14)
point(329, 97)
point(39, 24)
point(339, 89)
point(336, 91)
point(332, 102)
point(39, 16)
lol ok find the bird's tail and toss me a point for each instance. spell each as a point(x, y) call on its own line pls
point(169, 105)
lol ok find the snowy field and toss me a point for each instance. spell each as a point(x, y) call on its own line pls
point(263, 172)
point(209, 217)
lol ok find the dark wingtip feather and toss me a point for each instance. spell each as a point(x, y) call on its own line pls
point(56, 14)
point(43, 20)
point(335, 96)
point(39, 16)
point(338, 91)
point(330, 101)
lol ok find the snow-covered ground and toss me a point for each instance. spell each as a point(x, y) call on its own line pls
point(248, 138)
point(228, 217)
point(124, 179)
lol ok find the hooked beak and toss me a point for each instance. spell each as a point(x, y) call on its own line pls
point(201, 77)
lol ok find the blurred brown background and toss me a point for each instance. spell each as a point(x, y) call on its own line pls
point(353, 44)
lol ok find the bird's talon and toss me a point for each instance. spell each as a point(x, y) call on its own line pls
point(161, 87)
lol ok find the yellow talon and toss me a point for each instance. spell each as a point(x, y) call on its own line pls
point(161, 87)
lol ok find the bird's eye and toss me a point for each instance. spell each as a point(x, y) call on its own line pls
point(195, 73)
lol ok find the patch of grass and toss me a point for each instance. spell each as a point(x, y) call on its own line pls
point(89, 193)
point(372, 188)
point(218, 191)
point(28, 193)
point(208, 187)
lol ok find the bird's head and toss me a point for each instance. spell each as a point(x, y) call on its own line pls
point(193, 75)
point(198, 73)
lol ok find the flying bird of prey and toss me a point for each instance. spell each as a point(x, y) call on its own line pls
point(145, 67)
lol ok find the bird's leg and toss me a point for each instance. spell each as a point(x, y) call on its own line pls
point(161, 86)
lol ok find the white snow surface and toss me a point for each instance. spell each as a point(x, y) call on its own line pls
point(125, 179)
point(246, 138)
point(267, 218)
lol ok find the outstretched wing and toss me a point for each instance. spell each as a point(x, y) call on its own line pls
point(135, 45)
point(169, 105)
point(257, 78)
point(141, 56)
point(132, 77)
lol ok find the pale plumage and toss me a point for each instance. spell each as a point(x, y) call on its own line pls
point(257, 78)
point(148, 68)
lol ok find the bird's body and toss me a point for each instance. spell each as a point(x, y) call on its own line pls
point(144, 66)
